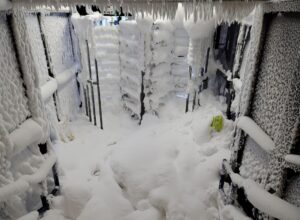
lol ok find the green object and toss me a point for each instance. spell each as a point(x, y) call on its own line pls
point(217, 123)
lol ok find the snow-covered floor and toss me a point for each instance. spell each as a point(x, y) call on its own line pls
point(165, 169)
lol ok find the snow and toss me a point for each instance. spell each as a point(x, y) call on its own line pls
point(255, 132)
point(30, 216)
point(230, 212)
point(167, 168)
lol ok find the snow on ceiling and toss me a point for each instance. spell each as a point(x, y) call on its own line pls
point(225, 10)
point(201, 9)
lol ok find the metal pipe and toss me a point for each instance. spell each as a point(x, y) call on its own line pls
point(89, 103)
point(85, 101)
point(91, 82)
point(99, 95)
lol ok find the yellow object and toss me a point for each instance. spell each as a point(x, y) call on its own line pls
point(217, 123)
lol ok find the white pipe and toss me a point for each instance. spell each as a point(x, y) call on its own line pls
point(292, 158)
point(28, 133)
point(48, 89)
point(256, 133)
point(263, 200)
point(23, 183)
point(64, 77)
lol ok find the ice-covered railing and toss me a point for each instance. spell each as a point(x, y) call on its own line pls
point(256, 133)
point(54, 84)
point(28, 133)
point(258, 197)
point(22, 184)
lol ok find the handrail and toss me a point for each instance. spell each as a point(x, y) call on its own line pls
point(28, 133)
point(60, 80)
point(293, 158)
point(23, 183)
point(262, 199)
point(256, 133)
point(66, 76)
point(49, 88)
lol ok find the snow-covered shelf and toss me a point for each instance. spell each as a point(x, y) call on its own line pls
point(262, 199)
point(23, 183)
point(256, 133)
point(28, 133)
point(293, 158)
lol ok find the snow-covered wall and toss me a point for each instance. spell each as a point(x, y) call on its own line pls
point(159, 82)
point(132, 65)
point(39, 56)
point(58, 35)
point(107, 54)
point(17, 161)
point(26, 116)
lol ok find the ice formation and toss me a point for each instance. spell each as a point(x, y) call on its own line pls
point(166, 168)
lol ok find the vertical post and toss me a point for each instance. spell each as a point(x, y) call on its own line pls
point(194, 100)
point(188, 95)
point(187, 103)
point(85, 102)
point(99, 95)
point(91, 82)
point(207, 58)
point(89, 103)
point(142, 97)
point(56, 180)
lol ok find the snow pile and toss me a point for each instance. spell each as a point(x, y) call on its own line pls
point(107, 52)
point(165, 169)
point(132, 65)
point(159, 83)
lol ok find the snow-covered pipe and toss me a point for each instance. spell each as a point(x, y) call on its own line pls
point(269, 203)
point(48, 89)
point(256, 133)
point(293, 158)
point(262, 199)
point(28, 133)
point(23, 183)
point(64, 77)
